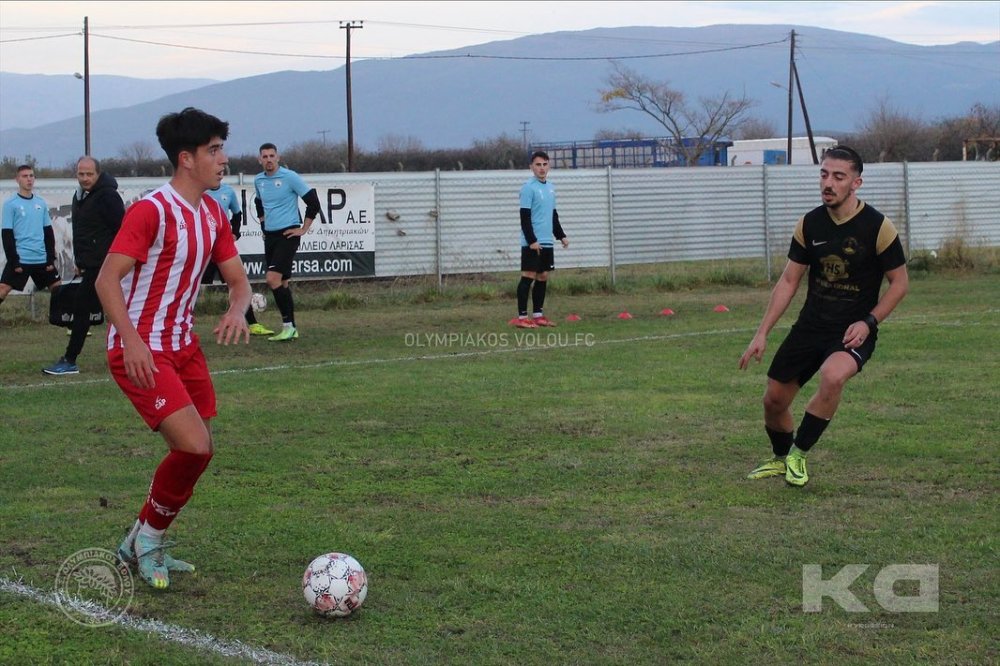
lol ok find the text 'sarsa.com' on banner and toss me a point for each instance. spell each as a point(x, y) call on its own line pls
point(340, 242)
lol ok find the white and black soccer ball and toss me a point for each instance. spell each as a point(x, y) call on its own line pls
point(335, 585)
point(258, 302)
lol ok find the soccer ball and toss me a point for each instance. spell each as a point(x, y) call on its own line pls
point(335, 585)
point(258, 302)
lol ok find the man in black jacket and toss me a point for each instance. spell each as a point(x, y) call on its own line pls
point(97, 215)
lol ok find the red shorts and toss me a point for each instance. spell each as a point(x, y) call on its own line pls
point(182, 380)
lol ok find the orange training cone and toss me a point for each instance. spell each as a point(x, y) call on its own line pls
point(666, 312)
point(721, 308)
point(573, 317)
point(624, 315)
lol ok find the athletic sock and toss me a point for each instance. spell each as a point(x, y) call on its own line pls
point(523, 287)
point(172, 487)
point(250, 316)
point(538, 295)
point(781, 442)
point(146, 530)
point(809, 431)
point(283, 297)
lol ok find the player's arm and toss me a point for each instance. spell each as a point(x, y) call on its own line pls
point(50, 247)
point(235, 223)
point(139, 364)
point(311, 200)
point(528, 230)
point(233, 325)
point(899, 285)
point(892, 260)
point(10, 248)
point(781, 297)
point(557, 229)
point(258, 205)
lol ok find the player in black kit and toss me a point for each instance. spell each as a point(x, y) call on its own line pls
point(847, 247)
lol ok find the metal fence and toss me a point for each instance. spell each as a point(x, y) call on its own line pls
point(455, 222)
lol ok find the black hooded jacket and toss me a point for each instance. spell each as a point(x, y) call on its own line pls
point(97, 216)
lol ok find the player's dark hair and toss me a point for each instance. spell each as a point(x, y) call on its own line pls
point(267, 146)
point(848, 155)
point(22, 167)
point(539, 153)
point(186, 130)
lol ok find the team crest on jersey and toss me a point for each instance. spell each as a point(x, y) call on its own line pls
point(850, 245)
point(277, 183)
point(834, 268)
point(212, 223)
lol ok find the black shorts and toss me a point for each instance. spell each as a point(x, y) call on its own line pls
point(41, 277)
point(279, 252)
point(803, 352)
point(538, 261)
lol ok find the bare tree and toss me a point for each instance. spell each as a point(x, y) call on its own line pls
point(397, 143)
point(705, 122)
point(137, 157)
point(889, 135)
point(756, 128)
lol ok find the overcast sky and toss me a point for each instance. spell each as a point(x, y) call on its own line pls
point(227, 40)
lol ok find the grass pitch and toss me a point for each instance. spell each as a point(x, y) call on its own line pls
point(574, 496)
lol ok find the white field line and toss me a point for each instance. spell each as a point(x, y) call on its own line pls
point(916, 320)
point(198, 640)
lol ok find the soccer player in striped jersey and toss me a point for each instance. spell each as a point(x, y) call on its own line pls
point(847, 247)
point(148, 286)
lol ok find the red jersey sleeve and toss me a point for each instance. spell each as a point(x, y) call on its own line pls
point(138, 231)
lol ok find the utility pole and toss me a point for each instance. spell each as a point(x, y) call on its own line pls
point(805, 115)
point(324, 133)
point(86, 85)
point(348, 26)
point(791, 75)
point(524, 134)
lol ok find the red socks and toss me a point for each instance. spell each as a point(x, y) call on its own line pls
point(173, 485)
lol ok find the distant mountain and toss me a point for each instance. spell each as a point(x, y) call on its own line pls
point(33, 100)
point(452, 98)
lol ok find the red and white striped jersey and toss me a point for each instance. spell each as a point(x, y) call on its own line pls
point(171, 243)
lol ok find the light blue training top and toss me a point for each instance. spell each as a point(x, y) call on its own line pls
point(226, 196)
point(541, 199)
point(279, 194)
point(28, 219)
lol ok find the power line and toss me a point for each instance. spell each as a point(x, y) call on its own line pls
point(446, 56)
point(606, 57)
point(33, 39)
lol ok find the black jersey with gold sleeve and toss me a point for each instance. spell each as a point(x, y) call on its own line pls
point(847, 261)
